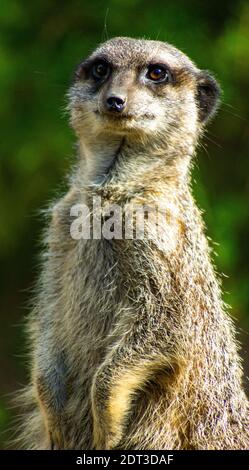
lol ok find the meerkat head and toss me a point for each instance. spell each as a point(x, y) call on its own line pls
point(142, 87)
point(133, 92)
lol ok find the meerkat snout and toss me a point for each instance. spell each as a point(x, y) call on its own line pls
point(116, 104)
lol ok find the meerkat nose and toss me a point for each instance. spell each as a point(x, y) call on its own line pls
point(115, 103)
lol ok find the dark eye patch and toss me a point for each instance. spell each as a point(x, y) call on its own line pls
point(98, 69)
point(159, 73)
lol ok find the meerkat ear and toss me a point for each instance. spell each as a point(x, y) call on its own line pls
point(208, 93)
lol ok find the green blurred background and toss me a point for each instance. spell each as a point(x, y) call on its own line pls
point(40, 44)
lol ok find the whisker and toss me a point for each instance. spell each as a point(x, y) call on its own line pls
point(105, 36)
point(242, 118)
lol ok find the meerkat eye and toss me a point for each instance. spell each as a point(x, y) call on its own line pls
point(100, 70)
point(158, 73)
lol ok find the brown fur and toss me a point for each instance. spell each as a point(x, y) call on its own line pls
point(131, 344)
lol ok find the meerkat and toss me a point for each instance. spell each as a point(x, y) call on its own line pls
point(131, 344)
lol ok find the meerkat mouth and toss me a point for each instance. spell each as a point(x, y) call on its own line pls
point(125, 116)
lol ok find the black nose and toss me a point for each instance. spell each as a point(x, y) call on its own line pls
point(114, 103)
